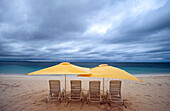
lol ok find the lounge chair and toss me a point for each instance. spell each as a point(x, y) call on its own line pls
point(76, 93)
point(55, 91)
point(114, 93)
point(94, 93)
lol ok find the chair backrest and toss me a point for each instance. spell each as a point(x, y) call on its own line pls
point(76, 86)
point(54, 87)
point(94, 87)
point(115, 87)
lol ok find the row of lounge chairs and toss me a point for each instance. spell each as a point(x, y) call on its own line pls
point(77, 94)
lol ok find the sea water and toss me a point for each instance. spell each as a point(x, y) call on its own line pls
point(134, 68)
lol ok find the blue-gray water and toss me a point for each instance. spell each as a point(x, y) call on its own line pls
point(131, 67)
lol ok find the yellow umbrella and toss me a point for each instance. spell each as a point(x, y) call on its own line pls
point(106, 71)
point(62, 68)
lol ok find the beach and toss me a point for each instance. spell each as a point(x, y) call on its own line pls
point(28, 93)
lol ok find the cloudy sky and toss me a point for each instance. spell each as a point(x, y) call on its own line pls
point(85, 30)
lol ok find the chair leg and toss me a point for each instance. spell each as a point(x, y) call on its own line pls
point(101, 102)
point(60, 100)
point(82, 100)
point(108, 102)
point(68, 101)
point(46, 100)
point(122, 102)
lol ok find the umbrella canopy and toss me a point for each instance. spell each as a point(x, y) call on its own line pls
point(62, 68)
point(106, 71)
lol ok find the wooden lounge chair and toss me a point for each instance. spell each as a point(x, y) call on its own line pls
point(114, 93)
point(76, 93)
point(94, 93)
point(55, 91)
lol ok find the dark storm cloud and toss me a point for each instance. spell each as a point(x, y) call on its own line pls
point(87, 30)
point(143, 26)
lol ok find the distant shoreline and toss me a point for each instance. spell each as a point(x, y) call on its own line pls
point(137, 75)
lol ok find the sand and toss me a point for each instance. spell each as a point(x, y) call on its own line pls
point(28, 93)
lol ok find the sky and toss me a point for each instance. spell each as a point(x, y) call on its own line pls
point(85, 30)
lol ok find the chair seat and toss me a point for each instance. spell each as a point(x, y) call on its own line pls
point(55, 91)
point(114, 94)
point(94, 94)
point(76, 93)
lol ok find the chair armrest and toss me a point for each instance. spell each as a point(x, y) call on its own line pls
point(63, 92)
point(101, 93)
point(107, 93)
point(88, 93)
point(82, 92)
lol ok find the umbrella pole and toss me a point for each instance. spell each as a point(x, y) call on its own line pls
point(65, 87)
point(103, 88)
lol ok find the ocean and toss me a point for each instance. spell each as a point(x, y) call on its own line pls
point(133, 68)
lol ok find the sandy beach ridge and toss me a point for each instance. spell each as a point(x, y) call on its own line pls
point(20, 92)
